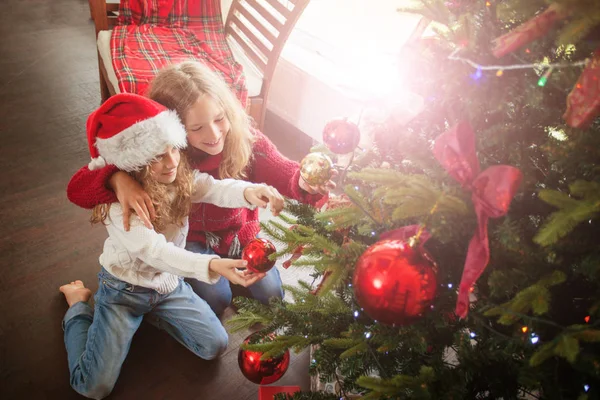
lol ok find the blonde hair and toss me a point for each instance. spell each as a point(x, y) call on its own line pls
point(179, 86)
point(172, 202)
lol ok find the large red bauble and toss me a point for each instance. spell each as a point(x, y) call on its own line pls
point(262, 372)
point(257, 254)
point(341, 136)
point(395, 283)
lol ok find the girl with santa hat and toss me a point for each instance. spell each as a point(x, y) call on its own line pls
point(142, 267)
point(222, 144)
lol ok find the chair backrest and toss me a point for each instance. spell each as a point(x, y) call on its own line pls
point(104, 13)
point(261, 28)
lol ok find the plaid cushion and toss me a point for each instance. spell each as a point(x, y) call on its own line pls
point(155, 33)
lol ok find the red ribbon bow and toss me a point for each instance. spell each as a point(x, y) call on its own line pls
point(492, 191)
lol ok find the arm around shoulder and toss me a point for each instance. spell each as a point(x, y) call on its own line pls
point(87, 188)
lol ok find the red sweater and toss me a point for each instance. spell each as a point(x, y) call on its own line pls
point(225, 226)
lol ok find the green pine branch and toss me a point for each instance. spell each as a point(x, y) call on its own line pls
point(245, 320)
point(535, 298)
point(278, 346)
point(572, 211)
point(435, 10)
point(399, 386)
point(577, 29)
point(250, 313)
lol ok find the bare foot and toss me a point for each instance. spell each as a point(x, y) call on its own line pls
point(75, 292)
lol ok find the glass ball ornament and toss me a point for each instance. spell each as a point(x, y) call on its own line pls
point(257, 253)
point(341, 136)
point(395, 283)
point(262, 372)
point(316, 168)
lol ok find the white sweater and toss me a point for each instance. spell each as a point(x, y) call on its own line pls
point(154, 260)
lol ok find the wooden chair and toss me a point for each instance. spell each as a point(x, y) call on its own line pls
point(104, 14)
point(256, 31)
point(260, 28)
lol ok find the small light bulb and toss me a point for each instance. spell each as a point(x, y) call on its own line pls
point(542, 81)
point(355, 314)
point(472, 334)
point(534, 339)
point(586, 387)
point(477, 74)
point(367, 334)
point(449, 286)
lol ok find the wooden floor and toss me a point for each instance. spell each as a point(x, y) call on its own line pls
point(48, 86)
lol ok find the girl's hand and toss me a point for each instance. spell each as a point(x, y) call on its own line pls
point(132, 197)
point(319, 189)
point(260, 195)
point(230, 269)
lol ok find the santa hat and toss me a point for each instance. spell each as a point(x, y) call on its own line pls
point(129, 131)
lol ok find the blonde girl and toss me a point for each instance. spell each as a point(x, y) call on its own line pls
point(222, 144)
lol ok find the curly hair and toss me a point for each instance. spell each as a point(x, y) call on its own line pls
point(172, 202)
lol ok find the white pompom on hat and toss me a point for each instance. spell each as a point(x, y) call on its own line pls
point(130, 131)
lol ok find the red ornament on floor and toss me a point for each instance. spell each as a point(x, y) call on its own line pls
point(257, 254)
point(395, 283)
point(341, 136)
point(262, 372)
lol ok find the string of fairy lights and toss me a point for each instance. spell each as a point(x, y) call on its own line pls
point(550, 67)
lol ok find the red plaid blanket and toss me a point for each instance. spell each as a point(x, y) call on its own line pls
point(155, 33)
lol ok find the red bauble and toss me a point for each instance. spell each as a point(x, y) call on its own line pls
point(262, 372)
point(395, 283)
point(257, 254)
point(341, 136)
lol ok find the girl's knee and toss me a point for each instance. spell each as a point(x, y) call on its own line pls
point(218, 296)
point(270, 287)
point(274, 291)
point(216, 345)
point(219, 303)
point(92, 388)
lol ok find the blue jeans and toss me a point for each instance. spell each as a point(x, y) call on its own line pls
point(219, 295)
point(98, 341)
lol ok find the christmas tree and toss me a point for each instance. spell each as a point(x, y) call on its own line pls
point(462, 260)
